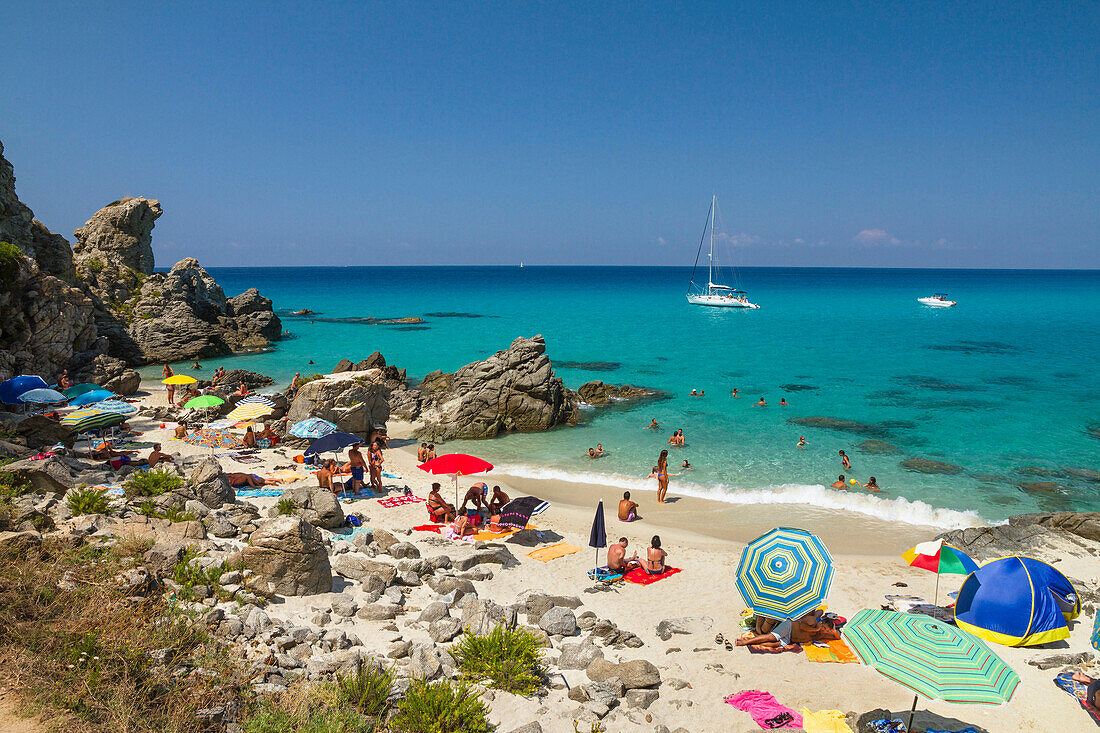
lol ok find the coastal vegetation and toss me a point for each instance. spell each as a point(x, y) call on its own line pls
point(506, 659)
point(151, 483)
point(86, 500)
point(10, 257)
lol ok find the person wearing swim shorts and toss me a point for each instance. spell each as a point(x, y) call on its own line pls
point(628, 510)
point(1092, 693)
point(655, 557)
point(617, 561)
point(357, 466)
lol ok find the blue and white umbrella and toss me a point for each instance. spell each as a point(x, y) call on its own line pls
point(117, 406)
point(10, 389)
point(43, 396)
point(312, 427)
point(90, 398)
point(784, 573)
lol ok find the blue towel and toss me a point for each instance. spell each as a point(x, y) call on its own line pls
point(967, 729)
point(1096, 633)
point(883, 725)
point(257, 493)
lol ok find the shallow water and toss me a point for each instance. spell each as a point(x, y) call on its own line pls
point(1004, 393)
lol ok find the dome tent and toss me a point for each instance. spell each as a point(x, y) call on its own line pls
point(1017, 601)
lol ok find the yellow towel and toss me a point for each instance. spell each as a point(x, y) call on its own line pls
point(485, 535)
point(837, 651)
point(546, 554)
point(824, 721)
point(285, 475)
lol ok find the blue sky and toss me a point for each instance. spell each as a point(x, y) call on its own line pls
point(848, 134)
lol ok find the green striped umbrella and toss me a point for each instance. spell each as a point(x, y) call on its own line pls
point(87, 418)
point(935, 660)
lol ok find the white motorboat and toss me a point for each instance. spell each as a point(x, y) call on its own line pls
point(937, 300)
point(714, 294)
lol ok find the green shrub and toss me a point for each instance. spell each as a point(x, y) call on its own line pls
point(151, 483)
point(442, 707)
point(175, 514)
point(287, 506)
point(13, 484)
point(368, 689)
point(10, 259)
point(189, 575)
point(87, 501)
point(148, 508)
point(95, 264)
point(508, 659)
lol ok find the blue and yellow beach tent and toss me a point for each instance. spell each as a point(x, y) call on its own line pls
point(1017, 601)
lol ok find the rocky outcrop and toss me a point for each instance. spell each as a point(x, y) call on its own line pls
point(252, 380)
point(316, 505)
point(597, 393)
point(1041, 535)
point(114, 249)
point(108, 372)
point(183, 314)
point(514, 390)
point(18, 226)
point(355, 401)
point(287, 556)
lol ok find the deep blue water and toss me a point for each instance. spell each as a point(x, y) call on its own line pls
point(1004, 386)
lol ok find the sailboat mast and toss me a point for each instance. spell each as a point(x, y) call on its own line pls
point(710, 257)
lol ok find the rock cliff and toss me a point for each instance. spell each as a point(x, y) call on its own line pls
point(114, 249)
point(19, 227)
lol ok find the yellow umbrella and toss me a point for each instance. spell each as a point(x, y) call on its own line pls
point(250, 411)
point(179, 379)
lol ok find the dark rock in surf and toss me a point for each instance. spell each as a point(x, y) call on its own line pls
point(797, 387)
point(600, 394)
point(590, 366)
point(1043, 488)
point(878, 448)
point(926, 465)
point(834, 423)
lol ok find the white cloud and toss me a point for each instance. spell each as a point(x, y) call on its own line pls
point(739, 240)
point(799, 240)
point(872, 237)
point(661, 241)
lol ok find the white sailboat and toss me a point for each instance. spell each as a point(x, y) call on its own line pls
point(714, 294)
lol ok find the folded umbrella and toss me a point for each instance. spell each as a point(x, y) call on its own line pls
point(597, 537)
point(42, 396)
point(518, 512)
point(10, 389)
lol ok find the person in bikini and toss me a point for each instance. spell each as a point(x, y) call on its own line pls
point(845, 461)
point(245, 479)
point(618, 562)
point(872, 485)
point(249, 437)
point(374, 456)
point(628, 510)
point(431, 452)
point(655, 557)
point(653, 425)
point(441, 511)
point(268, 434)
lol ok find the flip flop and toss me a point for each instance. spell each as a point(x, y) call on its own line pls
point(729, 647)
point(719, 639)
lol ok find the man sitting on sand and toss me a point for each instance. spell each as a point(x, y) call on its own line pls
point(324, 475)
point(156, 457)
point(431, 452)
point(617, 561)
point(497, 501)
point(268, 434)
point(440, 510)
point(839, 483)
point(628, 510)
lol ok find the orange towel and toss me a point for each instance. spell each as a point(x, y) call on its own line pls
point(551, 552)
point(485, 535)
point(837, 651)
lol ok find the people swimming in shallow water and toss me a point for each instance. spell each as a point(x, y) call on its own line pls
point(802, 441)
point(871, 485)
point(783, 402)
point(761, 403)
point(653, 425)
point(839, 483)
point(686, 466)
point(844, 460)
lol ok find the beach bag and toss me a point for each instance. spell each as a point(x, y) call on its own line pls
point(353, 521)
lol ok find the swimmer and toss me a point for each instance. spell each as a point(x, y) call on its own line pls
point(802, 441)
point(591, 453)
point(783, 402)
point(871, 485)
point(693, 393)
point(600, 452)
point(761, 403)
point(844, 460)
point(839, 483)
point(652, 473)
point(702, 393)
point(734, 393)
point(653, 425)
point(686, 466)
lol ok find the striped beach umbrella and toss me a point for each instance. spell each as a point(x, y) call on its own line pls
point(88, 418)
point(784, 573)
point(116, 406)
point(941, 559)
point(312, 427)
point(933, 659)
point(251, 408)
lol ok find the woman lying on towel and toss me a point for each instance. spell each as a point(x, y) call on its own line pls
point(250, 480)
point(773, 634)
point(1092, 694)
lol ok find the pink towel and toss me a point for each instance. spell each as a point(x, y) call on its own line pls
point(763, 706)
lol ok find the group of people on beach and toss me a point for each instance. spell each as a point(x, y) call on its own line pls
point(357, 466)
point(478, 508)
point(653, 564)
point(425, 452)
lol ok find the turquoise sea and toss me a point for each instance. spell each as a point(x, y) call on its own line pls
point(1004, 386)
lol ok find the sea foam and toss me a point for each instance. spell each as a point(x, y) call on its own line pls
point(899, 509)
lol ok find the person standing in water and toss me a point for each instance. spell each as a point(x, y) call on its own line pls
point(653, 425)
point(844, 461)
point(662, 476)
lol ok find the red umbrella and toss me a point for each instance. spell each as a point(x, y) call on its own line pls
point(456, 464)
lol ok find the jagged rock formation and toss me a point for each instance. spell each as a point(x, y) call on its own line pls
point(108, 372)
point(354, 401)
point(114, 249)
point(18, 226)
point(599, 394)
point(514, 390)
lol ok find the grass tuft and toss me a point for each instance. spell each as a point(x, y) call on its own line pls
point(287, 506)
point(507, 659)
point(86, 500)
point(368, 689)
point(441, 707)
point(151, 483)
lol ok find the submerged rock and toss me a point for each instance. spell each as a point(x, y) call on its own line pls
point(598, 393)
point(878, 448)
point(926, 465)
point(797, 387)
point(835, 423)
point(591, 366)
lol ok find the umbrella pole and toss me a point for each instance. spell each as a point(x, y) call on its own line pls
point(911, 711)
point(936, 595)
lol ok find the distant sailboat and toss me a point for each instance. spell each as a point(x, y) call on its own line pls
point(714, 294)
point(521, 264)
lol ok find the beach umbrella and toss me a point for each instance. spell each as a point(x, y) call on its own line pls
point(88, 418)
point(332, 443)
point(312, 427)
point(116, 406)
point(597, 538)
point(518, 512)
point(941, 559)
point(206, 400)
point(10, 389)
point(78, 389)
point(784, 573)
point(42, 396)
point(179, 379)
point(931, 658)
point(90, 398)
point(251, 408)
point(455, 465)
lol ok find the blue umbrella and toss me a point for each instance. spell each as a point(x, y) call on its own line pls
point(42, 396)
point(89, 398)
point(10, 389)
point(784, 573)
point(332, 443)
point(597, 538)
point(312, 427)
point(116, 406)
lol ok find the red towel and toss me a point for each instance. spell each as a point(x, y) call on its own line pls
point(430, 528)
point(641, 577)
point(391, 501)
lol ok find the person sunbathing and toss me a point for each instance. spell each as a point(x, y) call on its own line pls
point(105, 452)
point(249, 437)
point(440, 510)
point(617, 561)
point(250, 480)
point(181, 431)
point(773, 634)
point(462, 526)
point(1092, 692)
point(655, 557)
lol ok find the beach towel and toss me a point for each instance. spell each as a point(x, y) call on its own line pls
point(429, 528)
point(488, 536)
point(346, 533)
point(605, 575)
point(762, 706)
point(247, 459)
point(824, 721)
point(1096, 633)
point(257, 493)
point(285, 475)
point(835, 651)
point(1065, 683)
point(639, 576)
point(774, 650)
point(552, 552)
point(882, 725)
point(390, 475)
point(393, 501)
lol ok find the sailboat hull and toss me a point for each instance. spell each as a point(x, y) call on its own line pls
point(719, 301)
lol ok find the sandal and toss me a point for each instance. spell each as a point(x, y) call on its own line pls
point(779, 720)
point(719, 639)
point(729, 647)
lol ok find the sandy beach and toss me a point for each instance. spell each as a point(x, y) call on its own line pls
point(704, 539)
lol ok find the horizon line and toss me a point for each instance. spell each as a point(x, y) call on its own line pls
point(685, 267)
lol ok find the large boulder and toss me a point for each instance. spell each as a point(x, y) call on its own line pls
point(39, 431)
point(209, 484)
point(634, 674)
point(354, 401)
point(316, 505)
point(53, 474)
point(252, 380)
point(50, 251)
point(108, 372)
point(514, 390)
point(600, 394)
point(287, 556)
